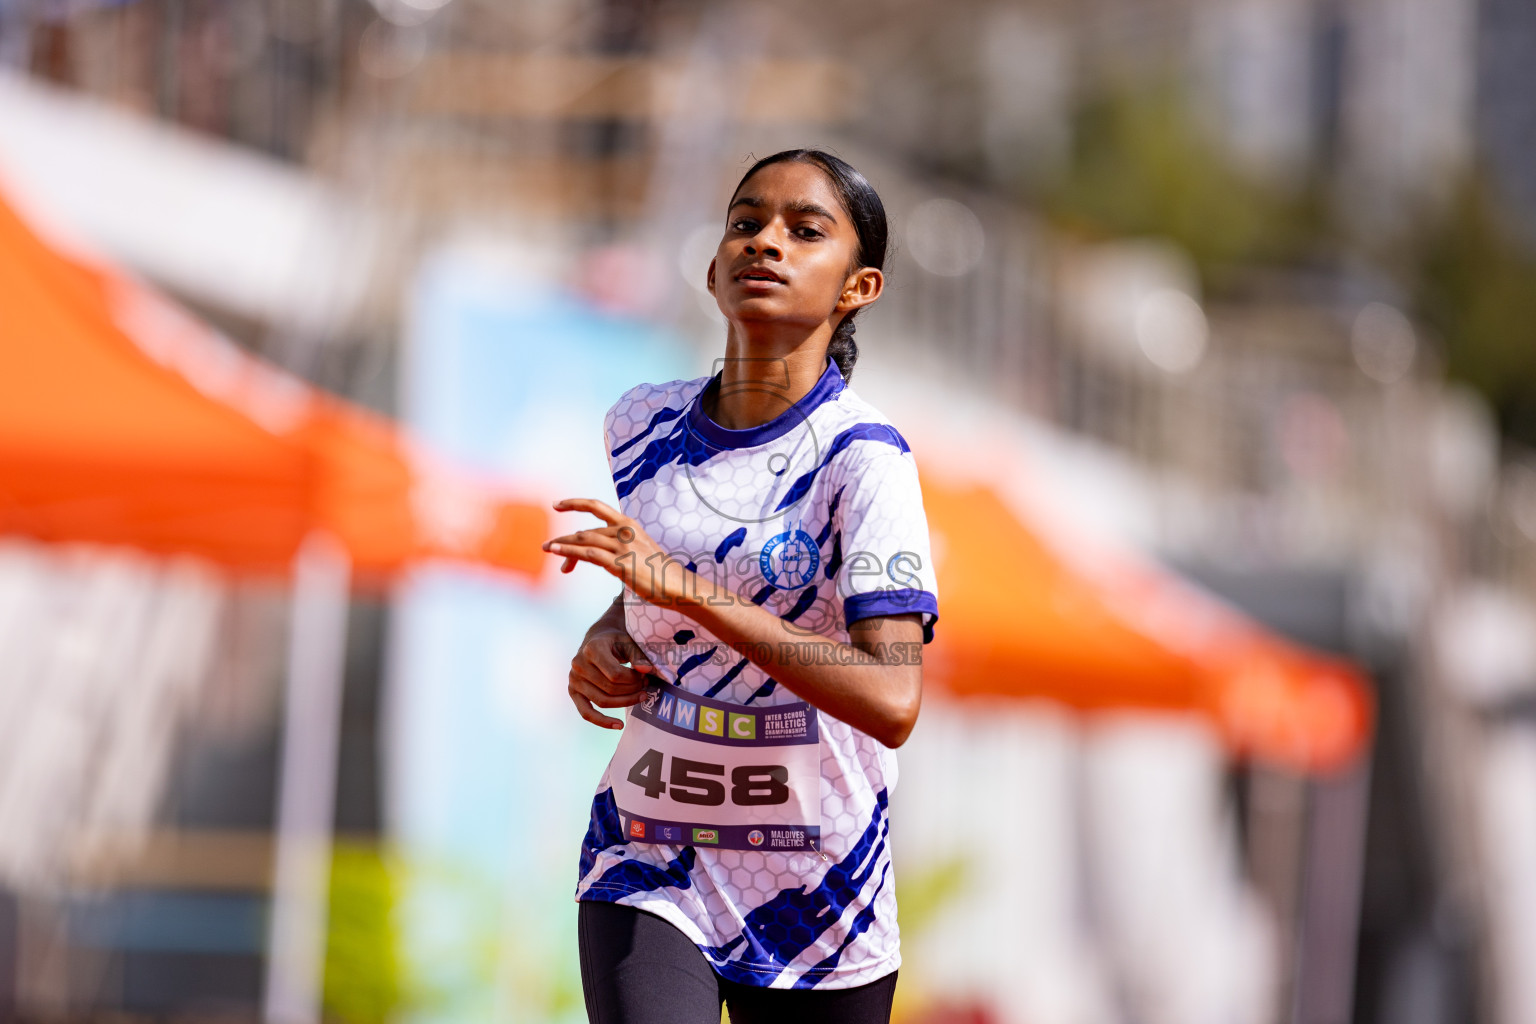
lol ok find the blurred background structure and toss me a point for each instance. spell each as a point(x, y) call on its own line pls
point(1224, 309)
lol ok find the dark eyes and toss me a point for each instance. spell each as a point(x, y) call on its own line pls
point(747, 225)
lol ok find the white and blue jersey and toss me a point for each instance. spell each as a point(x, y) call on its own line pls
point(816, 516)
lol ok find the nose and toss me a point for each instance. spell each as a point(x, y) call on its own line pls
point(763, 242)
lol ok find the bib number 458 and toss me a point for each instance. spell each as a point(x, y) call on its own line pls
point(752, 785)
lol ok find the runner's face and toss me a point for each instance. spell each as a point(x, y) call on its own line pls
point(787, 250)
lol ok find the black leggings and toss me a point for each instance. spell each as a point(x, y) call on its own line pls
point(638, 969)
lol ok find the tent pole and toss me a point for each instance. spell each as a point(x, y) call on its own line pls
point(317, 637)
point(1328, 924)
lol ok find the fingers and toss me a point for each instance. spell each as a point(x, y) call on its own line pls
point(613, 679)
point(611, 674)
point(591, 714)
point(600, 547)
point(566, 550)
point(582, 552)
point(625, 648)
point(599, 677)
point(589, 691)
point(592, 505)
point(609, 540)
point(606, 538)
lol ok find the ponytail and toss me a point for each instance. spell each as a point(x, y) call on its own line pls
point(842, 349)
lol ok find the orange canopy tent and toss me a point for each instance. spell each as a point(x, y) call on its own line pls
point(123, 421)
point(1024, 619)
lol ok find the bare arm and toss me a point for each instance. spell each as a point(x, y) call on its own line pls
point(876, 686)
point(873, 683)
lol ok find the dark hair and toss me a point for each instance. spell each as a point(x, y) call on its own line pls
point(863, 204)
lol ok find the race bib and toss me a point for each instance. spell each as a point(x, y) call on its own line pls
point(705, 772)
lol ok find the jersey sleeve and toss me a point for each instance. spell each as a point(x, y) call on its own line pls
point(642, 414)
point(615, 424)
point(887, 567)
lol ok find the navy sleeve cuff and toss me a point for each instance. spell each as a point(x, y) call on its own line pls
point(893, 602)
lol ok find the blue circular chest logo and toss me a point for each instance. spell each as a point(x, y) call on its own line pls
point(790, 559)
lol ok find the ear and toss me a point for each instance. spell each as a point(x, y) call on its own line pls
point(862, 287)
point(709, 281)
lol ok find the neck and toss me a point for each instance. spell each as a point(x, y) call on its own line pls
point(768, 368)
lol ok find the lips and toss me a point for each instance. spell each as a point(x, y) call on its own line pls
point(760, 275)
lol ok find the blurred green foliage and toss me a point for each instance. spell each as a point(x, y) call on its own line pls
point(1142, 166)
point(364, 976)
point(923, 893)
point(463, 960)
point(369, 978)
point(1476, 286)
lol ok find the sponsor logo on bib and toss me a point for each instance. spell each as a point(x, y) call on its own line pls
point(755, 837)
point(706, 835)
point(793, 839)
point(637, 829)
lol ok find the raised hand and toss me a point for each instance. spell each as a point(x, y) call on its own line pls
point(623, 549)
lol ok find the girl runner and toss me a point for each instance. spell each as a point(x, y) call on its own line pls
point(778, 589)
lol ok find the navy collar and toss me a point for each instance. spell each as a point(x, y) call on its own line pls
point(827, 388)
